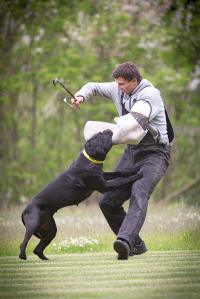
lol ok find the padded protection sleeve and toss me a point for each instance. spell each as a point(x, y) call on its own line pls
point(129, 130)
point(142, 107)
point(141, 119)
point(126, 130)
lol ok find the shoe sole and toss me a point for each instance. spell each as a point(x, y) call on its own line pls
point(122, 249)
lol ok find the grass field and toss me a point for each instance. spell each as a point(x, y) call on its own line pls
point(83, 264)
point(167, 274)
point(83, 229)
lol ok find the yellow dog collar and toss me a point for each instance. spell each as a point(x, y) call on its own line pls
point(89, 158)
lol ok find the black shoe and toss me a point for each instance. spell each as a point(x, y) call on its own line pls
point(138, 249)
point(122, 248)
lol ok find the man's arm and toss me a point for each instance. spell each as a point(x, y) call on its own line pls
point(103, 90)
point(151, 96)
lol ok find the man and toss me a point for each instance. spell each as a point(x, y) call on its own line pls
point(151, 155)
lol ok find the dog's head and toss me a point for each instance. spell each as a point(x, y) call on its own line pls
point(99, 145)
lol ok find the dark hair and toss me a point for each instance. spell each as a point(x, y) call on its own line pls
point(127, 71)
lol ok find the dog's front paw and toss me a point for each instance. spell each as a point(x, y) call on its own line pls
point(127, 174)
point(140, 175)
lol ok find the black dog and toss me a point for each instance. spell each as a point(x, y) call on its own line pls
point(71, 187)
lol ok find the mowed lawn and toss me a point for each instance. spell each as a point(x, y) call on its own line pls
point(83, 264)
point(156, 274)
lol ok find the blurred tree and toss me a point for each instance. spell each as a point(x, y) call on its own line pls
point(80, 41)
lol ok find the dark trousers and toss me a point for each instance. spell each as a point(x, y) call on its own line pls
point(152, 161)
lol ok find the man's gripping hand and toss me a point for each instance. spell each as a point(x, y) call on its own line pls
point(78, 102)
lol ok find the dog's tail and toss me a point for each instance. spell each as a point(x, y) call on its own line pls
point(36, 234)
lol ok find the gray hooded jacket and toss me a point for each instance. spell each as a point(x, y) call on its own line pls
point(144, 91)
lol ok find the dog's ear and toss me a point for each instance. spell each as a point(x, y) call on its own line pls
point(99, 145)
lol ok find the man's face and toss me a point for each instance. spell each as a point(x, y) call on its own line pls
point(126, 86)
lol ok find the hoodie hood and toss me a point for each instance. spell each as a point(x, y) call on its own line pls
point(143, 84)
point(131, 98)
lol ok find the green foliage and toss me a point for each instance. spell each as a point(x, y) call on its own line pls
point(82, 41)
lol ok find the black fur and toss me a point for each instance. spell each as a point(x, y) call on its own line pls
point(71, 187)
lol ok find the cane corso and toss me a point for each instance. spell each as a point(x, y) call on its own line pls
point(71, 187)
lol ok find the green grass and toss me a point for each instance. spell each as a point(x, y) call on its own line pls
point(83, 264)
point(167, 227)
point(167, 274)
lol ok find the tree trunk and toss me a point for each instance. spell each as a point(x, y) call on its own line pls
point(33, 127)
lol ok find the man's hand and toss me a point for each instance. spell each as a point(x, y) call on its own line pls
point(78, 102)
point(115, 119)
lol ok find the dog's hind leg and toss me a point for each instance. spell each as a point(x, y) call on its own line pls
point(47, 233)
point(31, 220)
